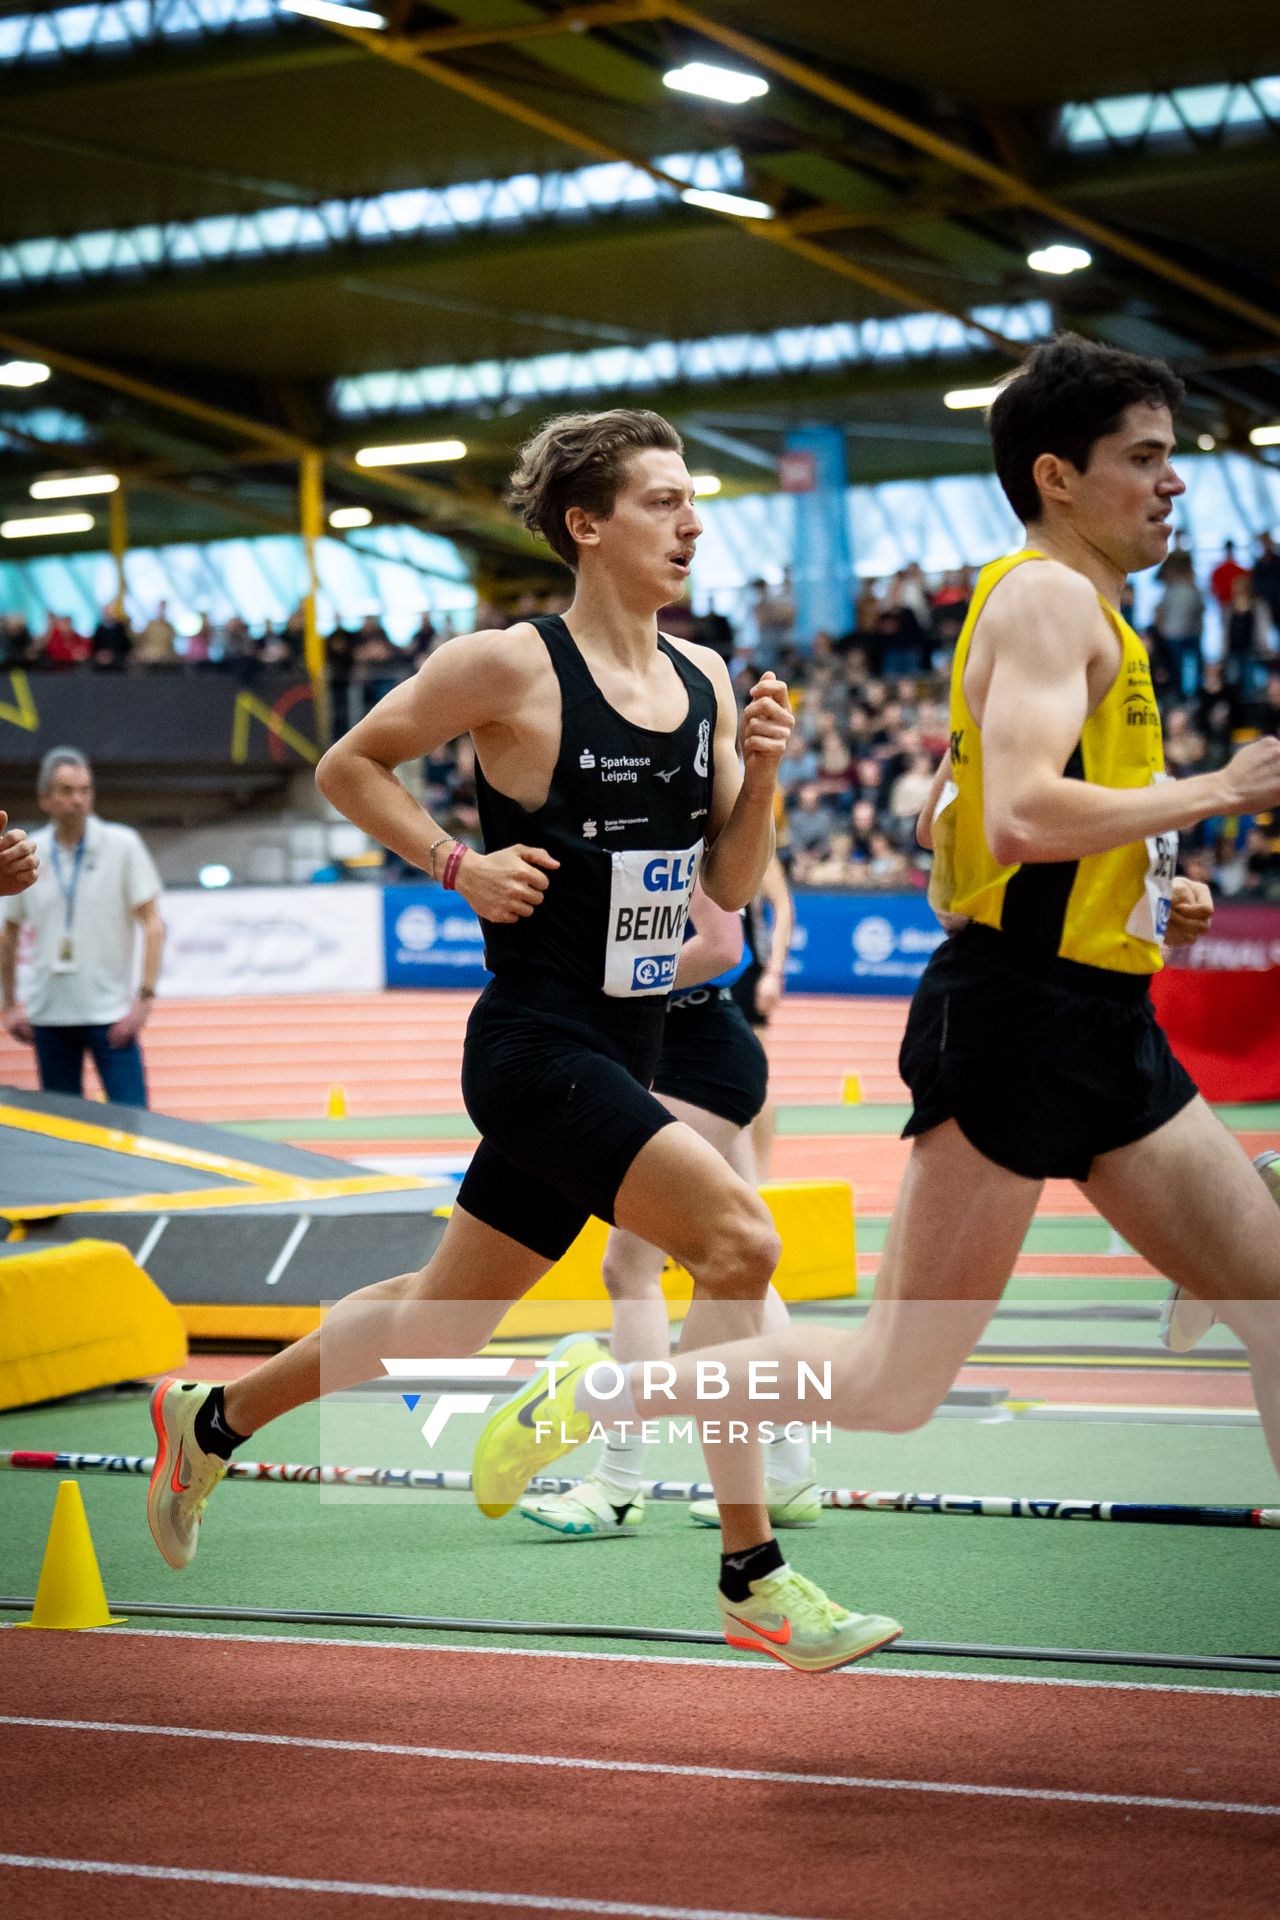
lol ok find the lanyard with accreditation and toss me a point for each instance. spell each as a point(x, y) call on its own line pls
point(66, 956)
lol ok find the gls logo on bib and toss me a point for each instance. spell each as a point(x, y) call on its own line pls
point(648, 906)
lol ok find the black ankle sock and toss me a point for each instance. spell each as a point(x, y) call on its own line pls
point(738, 1570)
point(212, 1429)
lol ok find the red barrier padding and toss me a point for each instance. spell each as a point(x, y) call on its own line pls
point(1224, 1028)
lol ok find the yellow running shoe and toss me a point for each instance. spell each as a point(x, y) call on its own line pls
point(184, 1474)
point(792, 1620)
point(512, 1451)
point(797, 1506)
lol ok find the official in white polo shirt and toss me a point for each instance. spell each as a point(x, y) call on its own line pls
point(97, 891)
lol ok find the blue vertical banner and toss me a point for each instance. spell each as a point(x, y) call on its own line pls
point(814, 471)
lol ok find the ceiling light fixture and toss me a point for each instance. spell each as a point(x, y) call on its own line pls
point(69, 486)
point(1206, 443)
point(715, 83)
point(23, 373)
point(35, 525)
point(705, 484)
point(734, 203)
point(339, 16)
point(960, 397)
point(416, 453)
point(350, 517)
point(1059, 258)
point(1265, 436)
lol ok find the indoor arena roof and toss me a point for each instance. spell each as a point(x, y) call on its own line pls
point(234, 233)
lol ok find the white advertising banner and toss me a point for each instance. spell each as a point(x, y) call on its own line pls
point(247, 940)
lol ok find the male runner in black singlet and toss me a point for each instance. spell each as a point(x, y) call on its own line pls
point(607, 775)
point(713, 1075)
point(1031, 1050)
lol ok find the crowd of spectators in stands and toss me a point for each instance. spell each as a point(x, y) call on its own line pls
point(871, 703)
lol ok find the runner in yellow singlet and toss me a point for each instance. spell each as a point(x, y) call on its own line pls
point(1031, 1050)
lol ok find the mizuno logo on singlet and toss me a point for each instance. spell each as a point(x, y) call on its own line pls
point(666, 776)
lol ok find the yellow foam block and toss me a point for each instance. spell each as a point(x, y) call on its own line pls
point(815, 1223)
point(205, 1321)
point(80, 1316)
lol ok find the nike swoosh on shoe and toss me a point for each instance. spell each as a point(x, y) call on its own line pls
point(525, 1414)
point(780, 1636)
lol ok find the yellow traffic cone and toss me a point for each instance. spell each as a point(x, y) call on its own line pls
point(851, 1091)
point(336, 1105)
point(70, 1596)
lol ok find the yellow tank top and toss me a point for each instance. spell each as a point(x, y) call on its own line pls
point(1103, 910)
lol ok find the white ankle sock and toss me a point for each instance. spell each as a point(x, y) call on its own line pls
point(787, 1462)
point(621, 1465)
point(608, 1406)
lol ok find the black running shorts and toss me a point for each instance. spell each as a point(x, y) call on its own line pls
point(1041, 1062)
point(710, 1057)
point(560, 1092)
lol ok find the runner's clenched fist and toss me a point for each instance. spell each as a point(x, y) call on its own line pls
point(766, 728)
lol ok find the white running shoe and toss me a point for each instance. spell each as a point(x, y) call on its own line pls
point(184, 1474)
point(1185, 1320)
point(593, 1510)
point(796, 1506)
point(792, 1620)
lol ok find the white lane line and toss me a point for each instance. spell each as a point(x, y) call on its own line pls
point(576, 1763)
point(288, 1250)
point(152, 1241)
point(377, 1890)
point(762, 1669)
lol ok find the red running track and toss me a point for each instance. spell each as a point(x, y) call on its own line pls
point(563, 1784)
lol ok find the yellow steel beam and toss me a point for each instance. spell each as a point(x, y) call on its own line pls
point(311, 516)
point(607, 13)
point(961, 160)
point(403, 52)
point(434, 502)
point(118, 538)
point(156, 396)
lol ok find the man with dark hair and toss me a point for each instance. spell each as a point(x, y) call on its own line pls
point(1031, 1050)
point(607, 775)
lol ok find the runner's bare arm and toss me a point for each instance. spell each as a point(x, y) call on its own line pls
point(716, 943)
point(475, 681)
point(773, 977)
point(1042, 636)
point(740, 842)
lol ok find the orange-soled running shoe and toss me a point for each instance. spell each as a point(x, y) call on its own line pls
point(792, 1620)
point(184, 1474)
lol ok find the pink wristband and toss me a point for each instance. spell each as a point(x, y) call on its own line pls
point(449, 878)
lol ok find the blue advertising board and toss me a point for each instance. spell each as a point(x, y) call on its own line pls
point(861, 943)
point(875, 943)
point(433, 939)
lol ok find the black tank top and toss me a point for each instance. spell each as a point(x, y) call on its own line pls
point(625, 816)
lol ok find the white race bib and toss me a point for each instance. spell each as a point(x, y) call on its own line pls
point(648, 906)
point(1150, 918)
